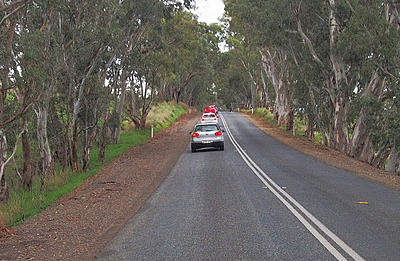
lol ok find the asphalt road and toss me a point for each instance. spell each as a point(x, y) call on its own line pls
point(260, 200)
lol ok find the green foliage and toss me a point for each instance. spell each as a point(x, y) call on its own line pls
point(87, 65)
point(324, 66)
point(266, 114)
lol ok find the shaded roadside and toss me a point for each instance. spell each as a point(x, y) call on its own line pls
point(328, 155)
point(78, 225)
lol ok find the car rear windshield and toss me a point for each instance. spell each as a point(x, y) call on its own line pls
point(204, 128)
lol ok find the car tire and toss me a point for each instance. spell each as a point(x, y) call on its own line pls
point(193, 149)
point(222, 147)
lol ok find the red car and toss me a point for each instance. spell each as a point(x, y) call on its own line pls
point(211, 109)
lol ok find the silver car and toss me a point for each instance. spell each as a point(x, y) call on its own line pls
point(207, 136)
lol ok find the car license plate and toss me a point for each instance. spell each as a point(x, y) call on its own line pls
point(207, 141)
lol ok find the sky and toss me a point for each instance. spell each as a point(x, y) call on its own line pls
point(209, 10)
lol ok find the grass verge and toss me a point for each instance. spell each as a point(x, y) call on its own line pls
point(24, 204)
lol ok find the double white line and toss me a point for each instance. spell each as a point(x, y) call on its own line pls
point(300, 213)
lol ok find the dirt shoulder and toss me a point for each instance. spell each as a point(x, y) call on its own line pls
point(78, 225)
point(328, 155)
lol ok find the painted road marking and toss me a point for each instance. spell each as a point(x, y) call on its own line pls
point(283, 195)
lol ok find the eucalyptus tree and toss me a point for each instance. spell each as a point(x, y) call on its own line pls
point(143, 82)
point(38, 44)
point(188, 49)
point(262, 29)
point(136, 20)
point(205, 51)
point(233, 82)
point(249, 58)
point(331, 58)
point(18, 87)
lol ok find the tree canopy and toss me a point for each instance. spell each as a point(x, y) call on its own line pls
point(72, 71)
point(333, 63)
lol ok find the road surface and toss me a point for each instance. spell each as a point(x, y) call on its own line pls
point(260, 200)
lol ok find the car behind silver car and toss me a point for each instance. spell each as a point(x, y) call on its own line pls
point(209, 118)
point(207, 136)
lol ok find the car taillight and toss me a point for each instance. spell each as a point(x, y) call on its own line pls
point(202, 119)
point(215, 119)
point(195, 134)
point(218, 133)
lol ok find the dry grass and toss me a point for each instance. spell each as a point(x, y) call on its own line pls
point(161, 112)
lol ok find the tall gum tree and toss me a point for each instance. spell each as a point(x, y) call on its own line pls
point(264, 35)
point(11, 84)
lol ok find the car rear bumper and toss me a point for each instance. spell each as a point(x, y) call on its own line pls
point(210, 122)
point(198, 145)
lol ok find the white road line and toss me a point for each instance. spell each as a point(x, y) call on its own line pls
point(274, 188)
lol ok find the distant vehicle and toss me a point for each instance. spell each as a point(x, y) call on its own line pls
point(207, 136)
point(207, 110)
point(211, 108)
point(209, 118)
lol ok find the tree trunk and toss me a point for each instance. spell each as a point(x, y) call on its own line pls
point(104, 137)
point(325, 138)
point(340, 125)
point(74, 150)
point(4, 193)
point(266, 98)
point(367, 154)
point(283, 112)
point(142, 123)
point(87, 147)
point(43, 142)
point(360, 134)
point(282, 108)
point(380, 158)
point(27, 172)
point(67, 150)
point(177, 95)
point(310, 126)
point(120, 107)
point(341, 139)
point(393, 162)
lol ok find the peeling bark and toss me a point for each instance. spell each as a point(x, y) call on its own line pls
point(27, 172)
point(282, 108)
point(43, 142)
point(104, 136)
point(394, 160)
point(379, 159)
point(360, 134)
point(340, 124)
point(310, 126)
point(87, 147)
point(367, 154)
point(117, 131)
point(4, 193)
point(340, 132)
